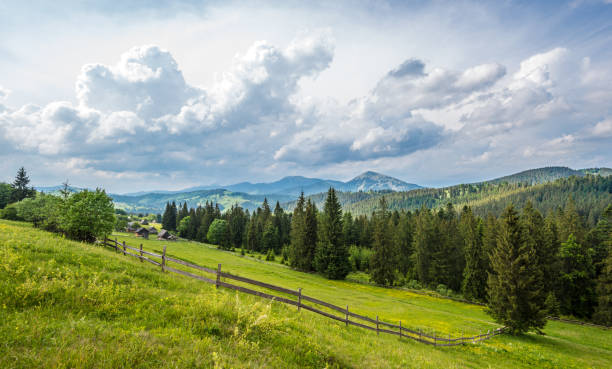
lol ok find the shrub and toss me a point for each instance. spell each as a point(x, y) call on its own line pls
point(414, 284)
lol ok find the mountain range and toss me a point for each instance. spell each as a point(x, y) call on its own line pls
point(359, 194)
point(294, 185)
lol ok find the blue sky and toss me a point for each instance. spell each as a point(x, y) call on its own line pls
point(136, 97)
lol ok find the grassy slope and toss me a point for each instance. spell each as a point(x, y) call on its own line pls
point(67, 304)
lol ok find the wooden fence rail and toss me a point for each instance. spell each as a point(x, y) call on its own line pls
point(376, 324)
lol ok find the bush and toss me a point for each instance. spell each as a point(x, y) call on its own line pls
point(359, 258)
point(414, 284)
point(442, 290)
point(9, 213)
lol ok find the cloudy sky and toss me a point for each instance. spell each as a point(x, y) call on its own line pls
point(132, 97)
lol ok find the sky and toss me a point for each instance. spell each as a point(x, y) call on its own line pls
point(131, 96)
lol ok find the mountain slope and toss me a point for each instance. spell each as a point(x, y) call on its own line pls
point(591, 194)
point(539, 175)
point(156, 202)
point(294, 185)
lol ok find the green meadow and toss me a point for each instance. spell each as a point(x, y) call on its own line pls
point(66, 304)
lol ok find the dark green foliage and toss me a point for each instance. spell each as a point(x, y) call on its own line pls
point(218, 234)
point(515, 286)
point(475, 272)
point(603, 314)
point(169, 217)
point(20, 187)
point(237, 225)
point(88, 215)
point(425, 237)
point(6, 194)
point(553, 307)
point(331, 258)
point(403, 240)
point(384, 258)
point(270, 238)
point(577, 279)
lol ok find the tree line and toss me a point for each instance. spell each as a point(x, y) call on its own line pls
point(82, 216)
point(520, 263)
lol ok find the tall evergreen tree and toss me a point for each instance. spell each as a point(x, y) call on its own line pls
point(475, 273)
point(404, 237)
point(603, 314)
point(425, 239)
point(515, 287)
point(577, 295)
point(332, 257)
point(298, 234)
point(20, 186)
point(383, 264)
point(311, 234)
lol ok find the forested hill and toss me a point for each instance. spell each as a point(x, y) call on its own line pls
point(591, 194)
point(549, 174)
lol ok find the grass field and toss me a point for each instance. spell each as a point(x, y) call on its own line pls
point(71, 305)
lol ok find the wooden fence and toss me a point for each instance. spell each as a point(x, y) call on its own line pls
point(365, 322)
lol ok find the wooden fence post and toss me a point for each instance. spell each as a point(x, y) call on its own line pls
point(299, 298)
point(141, 260)
point(124, 248)
point(400, 328)
point(218, 275)
point(116, 247)
point(435, 339)
point(420, 334)
point(163, 259)
point(347, 315)
point(377, 332)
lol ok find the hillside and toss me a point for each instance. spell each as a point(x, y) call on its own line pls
point(539, 175)
point(68, 304)
point(591, 194)
point(156, 202)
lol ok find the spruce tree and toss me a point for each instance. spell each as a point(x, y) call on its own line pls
point(475, 273)
point(383, 264)
point(311, 235)
point(298, 234)
point(332, 257)
point(404, 246)
point(424, 243)
point(515, 287)
point(577, 279)
point(603, 314)
point(20, 186)
point(166, 217)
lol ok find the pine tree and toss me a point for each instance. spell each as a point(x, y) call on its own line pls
point(166, 217)
point(298, 234)
point(541, 238)
point(577, 279)
point(172, 220)
point(515, 286)
point(332, 257)
point(404, 237)
point(424, 242)
point(603, 314)
point(383, 265)
point(311, 234)
point(20, 186)
point(475, 273)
